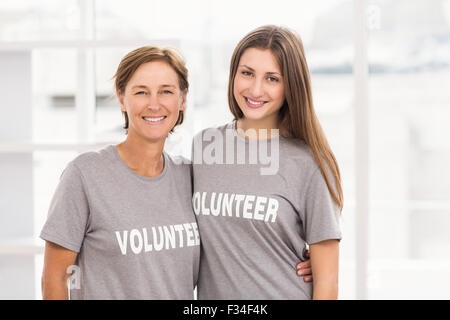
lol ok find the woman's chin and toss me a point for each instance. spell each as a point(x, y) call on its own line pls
point(153, 135)
point(254, 115)
point(157, 136)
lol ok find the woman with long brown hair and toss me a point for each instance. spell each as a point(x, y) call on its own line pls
point(254, 226)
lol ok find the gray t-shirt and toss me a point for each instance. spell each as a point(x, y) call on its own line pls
point(255, 227)
point(136, 237)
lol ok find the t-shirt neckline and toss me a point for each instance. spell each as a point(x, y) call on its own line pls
point(123, 165)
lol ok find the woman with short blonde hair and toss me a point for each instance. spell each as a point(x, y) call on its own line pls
point(123, 214)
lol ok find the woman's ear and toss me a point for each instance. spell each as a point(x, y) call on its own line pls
point(122, 105)
point(183, 100)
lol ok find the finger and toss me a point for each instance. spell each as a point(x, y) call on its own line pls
point(304, 272)
point(307, 271)
point(307, 279)
point(303, 265)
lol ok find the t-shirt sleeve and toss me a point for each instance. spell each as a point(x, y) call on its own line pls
point(69, 211)
point(321, 213)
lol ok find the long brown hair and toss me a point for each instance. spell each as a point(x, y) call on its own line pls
point(134, 59)
point(297, 116)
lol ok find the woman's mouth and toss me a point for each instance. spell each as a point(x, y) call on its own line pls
point(254, 104)
point(154, 120)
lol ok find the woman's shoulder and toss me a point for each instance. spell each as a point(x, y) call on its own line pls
point(179, 169)
point(297, 154)
point(179, 164)
point(93, 159)
point(296, 149)
point(178, 161)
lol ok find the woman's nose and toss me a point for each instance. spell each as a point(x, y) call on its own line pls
point(256, 89)
point(153, 104)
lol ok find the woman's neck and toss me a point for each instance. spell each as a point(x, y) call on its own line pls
point(265, 129)
point(142, 156)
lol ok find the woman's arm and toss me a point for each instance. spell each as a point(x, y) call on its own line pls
point(325, 265)
point(54, 277)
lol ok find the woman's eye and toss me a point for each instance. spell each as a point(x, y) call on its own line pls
point(272, 79)
point(166, 92)
point(246, 73)
point(140, 92)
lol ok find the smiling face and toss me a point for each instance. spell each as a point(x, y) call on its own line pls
point(258, 86)
point(153, 100)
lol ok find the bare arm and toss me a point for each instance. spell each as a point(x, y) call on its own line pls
point(54, 277)
point(325, 265)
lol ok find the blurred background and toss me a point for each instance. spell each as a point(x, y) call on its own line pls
point(57, 59)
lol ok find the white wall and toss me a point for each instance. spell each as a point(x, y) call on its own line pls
point(16, 184)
